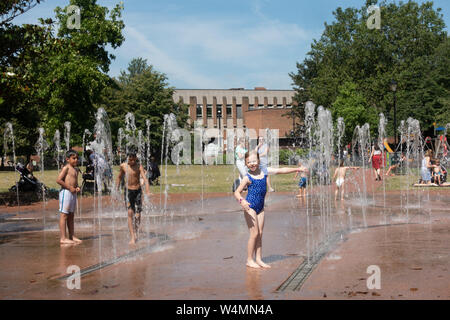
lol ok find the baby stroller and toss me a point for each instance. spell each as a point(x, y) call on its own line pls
point(96, 162)
point(88, 176)
point(88, 179)
point(27, 182)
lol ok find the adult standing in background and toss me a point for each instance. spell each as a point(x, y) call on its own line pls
point(426, 167)
point(239, 153)
point(263, 150)
point(376, 158)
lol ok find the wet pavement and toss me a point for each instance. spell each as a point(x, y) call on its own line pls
point(318, 249)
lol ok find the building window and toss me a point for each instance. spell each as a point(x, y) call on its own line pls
point(279, 106)
point(199, 111)
point(270, 106)
point(229, 111)
point(251, 107)
point(218, 107)
point(209, 111)
point(260, 106)
point(239, 111)
point(288, 106)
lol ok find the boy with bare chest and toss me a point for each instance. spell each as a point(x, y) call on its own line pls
point(133, 172)
point(68, 180)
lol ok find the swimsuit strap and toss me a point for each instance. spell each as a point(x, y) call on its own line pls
point(251, 179)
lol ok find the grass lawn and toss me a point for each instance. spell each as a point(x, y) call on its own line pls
point(400, 182)
point(403, 182)
point(215, 179)
point(185, 179)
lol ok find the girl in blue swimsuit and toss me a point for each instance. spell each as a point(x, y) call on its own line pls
point(253, 205)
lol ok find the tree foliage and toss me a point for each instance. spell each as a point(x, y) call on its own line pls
point(9, 9)
point(351, 105)
point(52, 76)
point(144, 92)
point(411, 47)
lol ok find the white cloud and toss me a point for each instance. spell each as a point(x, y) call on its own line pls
point(216, 52)
point(142, 47)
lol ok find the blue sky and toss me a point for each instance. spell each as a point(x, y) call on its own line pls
point(210, 44)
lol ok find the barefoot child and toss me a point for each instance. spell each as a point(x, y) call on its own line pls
point(377, 161)
point(68, 180)
point(133, 172)
point(340, 174)
point(437, 172)
point(303, 179)
point(253, 205)
point(400, 164)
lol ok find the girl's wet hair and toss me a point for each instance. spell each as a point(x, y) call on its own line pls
point(249, 153)
point(429, 153)
point(341, 163)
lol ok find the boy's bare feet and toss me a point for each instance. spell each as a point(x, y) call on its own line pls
point(66, 241)
point(132, 241)
point(77, 240)
point(253, 264)
point(299, 196)
point(262, 264)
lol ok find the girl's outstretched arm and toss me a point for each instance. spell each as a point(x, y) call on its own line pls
point(271, 170)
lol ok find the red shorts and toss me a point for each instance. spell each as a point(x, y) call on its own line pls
point(376, 161)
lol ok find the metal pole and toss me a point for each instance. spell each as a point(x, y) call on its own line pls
point(395, 118)
point(220, 129)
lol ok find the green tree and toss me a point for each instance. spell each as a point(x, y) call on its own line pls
point(351, 105)
point(428, 88)
point(51, 77)
point(9, 9)
point(18, 101)
point(406, 45)
point(136, 66)
point(144, 92)
point(75, 75)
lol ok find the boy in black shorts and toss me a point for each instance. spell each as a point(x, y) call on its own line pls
point(133, 172)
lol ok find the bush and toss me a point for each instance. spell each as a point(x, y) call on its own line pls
point(287, 154)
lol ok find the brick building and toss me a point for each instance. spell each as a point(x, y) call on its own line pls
point(240, 108)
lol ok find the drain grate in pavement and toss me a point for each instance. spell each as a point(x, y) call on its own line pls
point(296, 280)
point(162, 240)
point(299, 276)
